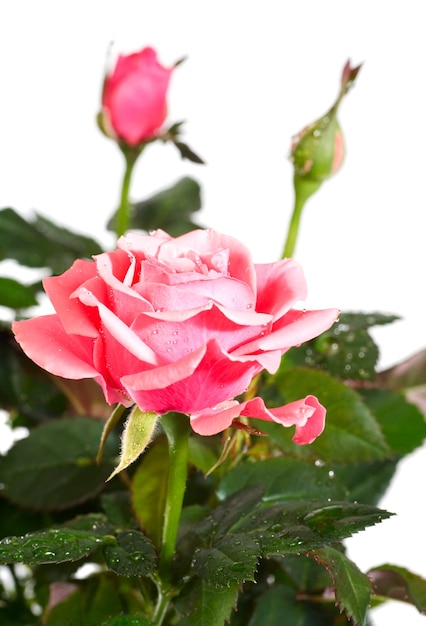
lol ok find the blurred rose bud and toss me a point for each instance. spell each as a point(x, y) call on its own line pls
point(134, 98)
point(318, 150)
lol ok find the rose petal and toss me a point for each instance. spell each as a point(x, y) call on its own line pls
point(308, 415)
point(75, 317)
point(292, 330)
point(280, 286)
point(203, 378)
point(118, 329)
point(45, 341)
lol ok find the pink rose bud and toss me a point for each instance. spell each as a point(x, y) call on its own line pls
point(179, 325)
point(134, 98)
point(318, 150)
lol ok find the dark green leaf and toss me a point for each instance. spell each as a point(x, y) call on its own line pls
point(202, 604)
point(402, 424)
point(16, 521)
point(283, 478)
point(235, 507)
point(351, 432)
point(15, 295)
point(279, 606)
point(296, 527)
point(93, 602)
point(131, 555)
point(187, 153)
point(232, 559)
point(56, 545)
point(118, 509)
point(25, 389)
point(346, 350)
point(170, 209)
point(305, 574)
point(55, 466)
point(41, 243)
point(365, 482)
point(127, 620)
point(398, 583)
point(203, 452)
point(14, 613)
point(351, 586)
point(149, 488)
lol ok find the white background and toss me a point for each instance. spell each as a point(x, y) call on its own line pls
point(256, 73)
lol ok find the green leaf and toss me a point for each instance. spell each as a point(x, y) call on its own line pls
point(202, 604)
point(228, 542)
point(127, 620)
point(16, 521)
point(351, 432)
point(118, 509)
point(110, 424)
point(232, 559)
point(56, 545)
point(351, 586)
point(132, 555)
point(15, 295)
point(187, 153)
point(305, 574)
point(92, 603)
point(279, 606)
point(203, 452)
point(402, 424)
point(55, 466)
point(365, 482)
point(283, 478)
point(149, 489)
point(295, 527)
point(170, 209)
point(138, 432)
point(41, 243)
point(346, 350)
point(235, 507)
point(409, 373)
point(398, 583)
point(25, 389)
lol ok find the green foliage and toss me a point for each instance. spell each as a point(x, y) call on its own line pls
point(261, 536)
point(25, 390)
point(170, 209)
point(352, 433)
point(347, 350)
point(15, 295)
point(398, 583)
point(41, 243)
point(352, 587)
point(55, 466)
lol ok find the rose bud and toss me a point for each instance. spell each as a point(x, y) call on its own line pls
point(318, 150)
point(134, 98)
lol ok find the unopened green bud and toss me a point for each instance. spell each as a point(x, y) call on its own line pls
point(318, 150)
point(317, 153)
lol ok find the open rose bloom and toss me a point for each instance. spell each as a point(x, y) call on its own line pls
point(179, 325)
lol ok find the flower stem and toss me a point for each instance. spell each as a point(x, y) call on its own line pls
point(303, 189)
point(176, 427)
point(123, 214)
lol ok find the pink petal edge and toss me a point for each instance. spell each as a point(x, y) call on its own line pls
point(307, 414)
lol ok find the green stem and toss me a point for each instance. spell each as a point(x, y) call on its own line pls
point(303, 189)
point(176, 427)
point(161, 608)
point(123, 214)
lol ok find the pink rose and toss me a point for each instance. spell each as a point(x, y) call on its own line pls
point(134, 97)
point(180, 325)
